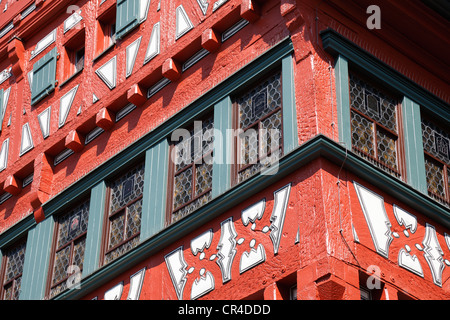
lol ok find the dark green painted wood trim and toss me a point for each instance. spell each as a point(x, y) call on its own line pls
point(17, 231)
point(223, 147)
point(319, 146)
point(36, 264)
point(261, 65)
point(343, 101)
point(95, 228)
point(155, 190)
point(290, 127)
point(336, 44)
point(415, 160)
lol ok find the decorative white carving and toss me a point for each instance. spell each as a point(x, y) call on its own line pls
point(375, 214)
point(136, 281)
point(183, 24)
point(281, 197)
point(177, 269)
point(108, 72)
point(226, 248)
point(131, 54)
point(411, 263)
point(433, 254)
point(202, 285)
point(252, 258)
point(115, 292)
point(202, 242)
point(253, 212)
point(405, 219)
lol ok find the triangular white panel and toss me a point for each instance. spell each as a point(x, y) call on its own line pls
point(107, 73)
point(154, 43)
point(4, 105)
point(5, 100)
point(183, 22)
point(65, 104)
point(44, 122)
point(203, 4)
point(131, 53)
point(26, 142)
point(218, 4)
point(4, 155)
point(143, 10)
point(94, 98)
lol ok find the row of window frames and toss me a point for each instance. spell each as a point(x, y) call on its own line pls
point(377, 136)
point(124, 208)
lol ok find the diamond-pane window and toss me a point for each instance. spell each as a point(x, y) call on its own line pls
point(436, 145)
point(192, 169)
point(374, 125)
point(14, 258)
point(260, 126)
point(69, 248)
point(124, 212)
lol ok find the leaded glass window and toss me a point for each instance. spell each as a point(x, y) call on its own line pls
point(436, 145)
point(192, 169)
point(374, 118)
point(124, 212)
point(259, 117)
point(14, 259)
point(71, 229)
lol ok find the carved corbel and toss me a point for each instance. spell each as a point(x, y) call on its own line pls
point(16, 57)
point(292, 14)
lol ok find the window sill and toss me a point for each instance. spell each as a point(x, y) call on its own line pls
point(71, 77)
point(104, 52)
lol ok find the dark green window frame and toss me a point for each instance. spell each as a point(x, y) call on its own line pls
point(349, 55)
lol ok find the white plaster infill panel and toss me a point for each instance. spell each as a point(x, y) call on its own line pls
point(131, 54)
point(153, 47)
point(108, 72)
point(65, 104)
point(374, 211)
point(183, 22)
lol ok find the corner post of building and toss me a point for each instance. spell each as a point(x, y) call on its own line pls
point(414, 154)
point(343, 101)
point(95, 228)
point(155, 189)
